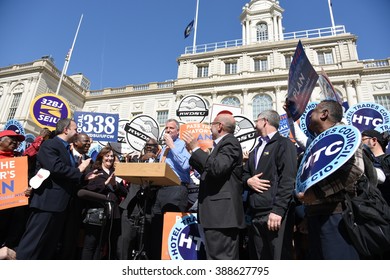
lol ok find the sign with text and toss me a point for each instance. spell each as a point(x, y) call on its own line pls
point(245, 133)
point(192, 108)
point(367, 115)
point(304, 120)
point(98, 126)
point(182, 237)
point(47, 109)
point(284, 128)
point(13, 180)
point(139, 130)
point(302, 79)
point(201, 132)
point(16, 126)
point(328, 152)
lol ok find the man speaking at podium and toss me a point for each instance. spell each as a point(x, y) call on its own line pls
point(171, 198)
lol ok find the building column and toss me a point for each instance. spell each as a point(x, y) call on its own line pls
point(280, 28)
point(358, 88)
point(248, 33)
point(350, 93)
point(275, 29)
point(243, 34)
point(245, 100)
point(278, 101)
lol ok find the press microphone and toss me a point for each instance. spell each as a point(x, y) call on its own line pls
point(92, 196)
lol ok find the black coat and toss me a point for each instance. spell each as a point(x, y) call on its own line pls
point(220, 190)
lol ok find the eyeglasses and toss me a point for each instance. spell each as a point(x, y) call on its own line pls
point(264, 119)
point(213, 123)
point(366, 138)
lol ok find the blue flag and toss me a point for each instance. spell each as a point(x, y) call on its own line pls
point(188, 29)
point(302, 79)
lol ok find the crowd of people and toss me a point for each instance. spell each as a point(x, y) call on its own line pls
point(246, 204)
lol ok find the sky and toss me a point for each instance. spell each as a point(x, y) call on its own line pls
point(130, 42)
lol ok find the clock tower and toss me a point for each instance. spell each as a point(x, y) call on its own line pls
point(261, 21)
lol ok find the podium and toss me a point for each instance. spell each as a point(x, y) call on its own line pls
point(146, 175)
point(152, 174)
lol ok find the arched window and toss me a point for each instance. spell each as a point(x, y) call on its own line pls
point(232, 101)
point(17, 92)
point(261, 103)
point(262, 32)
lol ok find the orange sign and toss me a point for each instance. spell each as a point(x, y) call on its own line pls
point(13, 182)
point(182, 237)
point(199, 131)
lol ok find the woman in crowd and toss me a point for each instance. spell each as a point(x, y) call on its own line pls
point(102, 231)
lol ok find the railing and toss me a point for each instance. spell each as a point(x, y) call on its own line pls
point(376, 63)
point(132, 88)
point(311, 33)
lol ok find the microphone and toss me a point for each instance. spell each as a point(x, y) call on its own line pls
point(92, 196)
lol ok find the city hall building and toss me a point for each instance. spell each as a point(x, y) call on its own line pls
point(250, 73)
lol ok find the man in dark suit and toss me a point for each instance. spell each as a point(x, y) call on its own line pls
point(50, 201)
point(220, 210)
point(270, 176)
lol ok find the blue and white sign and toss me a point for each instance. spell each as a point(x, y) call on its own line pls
point(328, 152)
point(383, 127)
point(16, 126)
point(98, 126)
point(185, 241)
point(304, 120)
point(284, 128)
point(367, 115)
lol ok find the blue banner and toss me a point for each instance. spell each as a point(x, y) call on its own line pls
point(302, 79)
point(98, 126)
point(328, 152)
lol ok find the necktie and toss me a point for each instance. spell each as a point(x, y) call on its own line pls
point(72, 159)
point(257, 155)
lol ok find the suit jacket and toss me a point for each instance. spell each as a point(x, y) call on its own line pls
point(278, 162)
point(220, 190)
point(54, 193)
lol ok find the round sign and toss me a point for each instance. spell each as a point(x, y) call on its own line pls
point(245, 132)
point(367, 115)
point(185, 241)
point(192, 108)
point(304, 120)
point(139, 130)
point(47, 109)
point(328, 152)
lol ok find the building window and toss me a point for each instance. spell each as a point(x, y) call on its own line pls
point(383, 100)
point(232, 101)
point(203, 71)
point(325, 57)
point(162, 117)
point(262, 32)
point(230, 67)
point(261, 64)
point(287, 60)
point(261, 103)
point(14, 105)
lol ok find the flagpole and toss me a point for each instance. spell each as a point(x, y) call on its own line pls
point(67, 58)
point(331, 16)
point(196, 27)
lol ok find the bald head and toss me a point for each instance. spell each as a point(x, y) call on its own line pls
point(227, 121)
